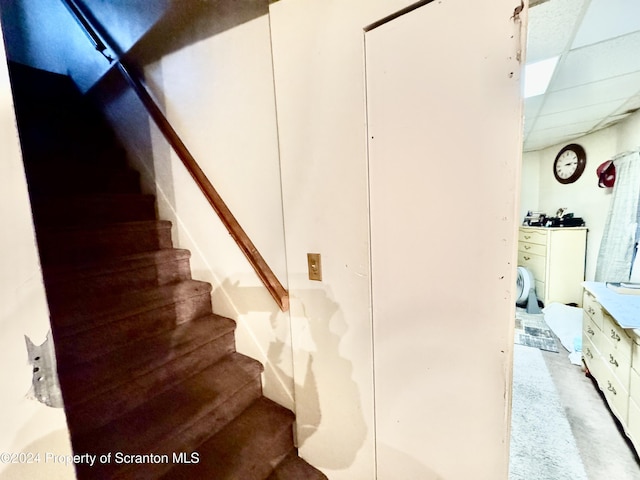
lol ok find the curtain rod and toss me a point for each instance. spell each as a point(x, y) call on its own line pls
point(624, 154)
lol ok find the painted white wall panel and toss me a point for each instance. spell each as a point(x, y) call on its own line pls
point(318, 49)
point(444, 139)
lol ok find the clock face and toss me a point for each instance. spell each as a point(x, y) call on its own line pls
point(569, 163)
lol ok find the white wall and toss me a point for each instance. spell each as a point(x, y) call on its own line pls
point(26, 425)
point(219, 94)
point(530, 184)
point(319, 70)
point(584, 198)
point(443, 167)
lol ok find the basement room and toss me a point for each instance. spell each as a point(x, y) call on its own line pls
point(577, 355)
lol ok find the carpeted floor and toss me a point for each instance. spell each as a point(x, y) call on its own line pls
point(542, 443)
point(604, 449)
point(595, 445)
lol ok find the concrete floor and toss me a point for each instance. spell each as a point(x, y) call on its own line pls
point(606, 452)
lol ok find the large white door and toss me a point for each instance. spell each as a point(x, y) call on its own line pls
point(444, 135)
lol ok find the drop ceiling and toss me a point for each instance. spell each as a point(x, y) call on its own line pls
point(597, 80)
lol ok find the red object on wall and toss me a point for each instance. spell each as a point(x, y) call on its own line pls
point(606, 174)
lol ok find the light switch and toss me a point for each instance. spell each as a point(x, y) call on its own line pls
point(315, 266)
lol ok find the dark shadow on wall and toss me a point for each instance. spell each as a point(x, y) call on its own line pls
point(186, 23)
point(331, 375)
point(324, 386)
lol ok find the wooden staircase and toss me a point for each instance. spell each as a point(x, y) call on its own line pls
point(149, 374)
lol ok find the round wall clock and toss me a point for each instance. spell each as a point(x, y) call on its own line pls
point(569, 163)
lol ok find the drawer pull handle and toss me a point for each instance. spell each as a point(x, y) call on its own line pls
point(589, 354)
point(527, 247)
point(526, 258)
point(611, 389)
point(613, 361)
point(614, 335)
point(527, 237)
point(591, 310)
point(590, 331)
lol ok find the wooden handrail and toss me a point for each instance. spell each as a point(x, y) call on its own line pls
point(84, 23)
point(266, 275)
point(268, 278)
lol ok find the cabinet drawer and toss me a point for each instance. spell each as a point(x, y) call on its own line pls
point(633, 424)
point(526, 247)
point(533, 236)
point(635, 354)
point(593, 309)
point(618, 338)
point(634, 386)
point(615, 393)
point(600, 368)
point(534, 263)
point(619, 365)
point(594, 334)
point(591, 356)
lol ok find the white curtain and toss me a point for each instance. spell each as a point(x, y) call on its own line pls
point(620, 231)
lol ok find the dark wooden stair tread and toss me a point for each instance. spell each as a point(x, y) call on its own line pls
point(92, 378)
point(82, 244)
point(199, 407)
point(295, 468)
point(93, 209)
point(90, 230)
point(261, 436)
point(128, 395)
point(75, 314)
point(127, 272)
point(86, 177)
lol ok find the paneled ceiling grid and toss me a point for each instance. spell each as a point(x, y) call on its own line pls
point(597, 80)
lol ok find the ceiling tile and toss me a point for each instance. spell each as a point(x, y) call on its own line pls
point(630, 106)
point(551, 28)
point(607, 19)
point(531, 109)
point(615, 57)
point(588, 117)
point(616, 88)
point(543, 139)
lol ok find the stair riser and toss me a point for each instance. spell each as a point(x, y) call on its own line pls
point(252, 468)
point(59, 247)
point(46, 182)
point(60, 153)
point(77, 314)
point(204, 428)
point(93, 212)
point(178, 362)
point(99, 410)
point(258, 459)
point(122, 281)
point(83, 341)
point(295, 467)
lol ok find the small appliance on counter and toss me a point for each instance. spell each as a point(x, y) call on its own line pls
point(562, 219)
point(534, 219)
